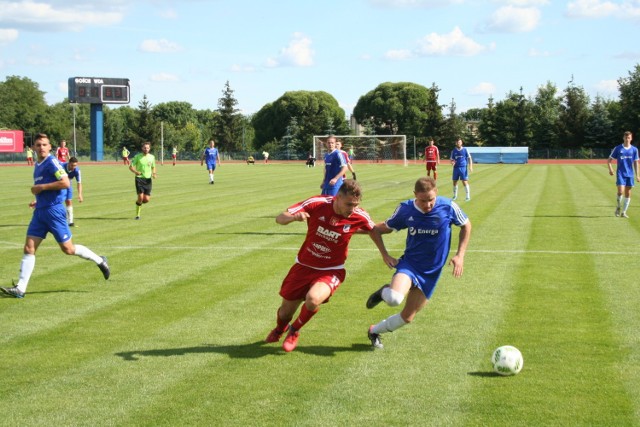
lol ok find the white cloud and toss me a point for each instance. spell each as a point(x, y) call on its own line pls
point(8, 36)
point(608, 87)
point(483, 88)
point(398, 55)
point(525, 3)
point(67, 16)
point(297, 54)
point(628, 55)
point(455, 43)
point(511, 19)
point(159, 46)
point(164, 77)
point(626, 9)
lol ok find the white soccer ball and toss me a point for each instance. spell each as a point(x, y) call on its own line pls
point(507, 360)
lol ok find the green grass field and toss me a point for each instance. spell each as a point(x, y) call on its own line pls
point(175, 336)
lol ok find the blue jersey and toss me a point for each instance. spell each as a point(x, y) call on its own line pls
point(460, 156)
point(333, 163)
point(626, 157)
point(211, 155)
point(45, 172)
point(428, 234)
point(73, 174)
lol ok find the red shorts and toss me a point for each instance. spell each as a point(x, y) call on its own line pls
point(300, 279)
point(431, 166)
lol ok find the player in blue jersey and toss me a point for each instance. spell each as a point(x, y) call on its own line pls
point(462, 165)
point(428, 219)
point(335, 166)
point(49, 216)
point(627, 158)
point(211, 156)
point(73, 171)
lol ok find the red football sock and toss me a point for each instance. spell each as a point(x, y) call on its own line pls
point(304, 316)
point(281, 324)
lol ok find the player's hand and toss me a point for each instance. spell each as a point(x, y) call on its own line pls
point(80, 199)
point(301, 216)
point(611, 172)
point(36, 189)
point(32, 205)
point(457, 263)
point(390, 261)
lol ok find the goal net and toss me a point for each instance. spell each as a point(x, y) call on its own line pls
point(367, 148)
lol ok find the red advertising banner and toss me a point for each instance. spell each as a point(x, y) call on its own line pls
point(11, 141)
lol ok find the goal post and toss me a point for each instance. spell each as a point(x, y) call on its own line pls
point(368, 148)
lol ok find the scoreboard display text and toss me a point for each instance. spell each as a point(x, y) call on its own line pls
point(98, 90)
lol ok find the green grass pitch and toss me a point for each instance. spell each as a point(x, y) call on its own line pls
point(175, 336)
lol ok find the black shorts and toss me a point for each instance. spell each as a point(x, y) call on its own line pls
point(143, 185)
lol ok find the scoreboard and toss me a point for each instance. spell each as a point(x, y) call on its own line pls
point(98, 90)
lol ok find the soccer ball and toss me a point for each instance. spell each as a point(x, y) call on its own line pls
point(507, 360)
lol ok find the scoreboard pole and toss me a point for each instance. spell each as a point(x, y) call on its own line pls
point(97, 133)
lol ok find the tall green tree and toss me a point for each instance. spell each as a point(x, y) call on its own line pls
point(311, 110)
point(574, 112)
point(629, 118)
point(514, 120)
point(22, 105)
point(400, 108)
point(228, 124)
point(145, 128)
point(488, 127)
point(599, 127)
point(454, 127)
point(546, 113)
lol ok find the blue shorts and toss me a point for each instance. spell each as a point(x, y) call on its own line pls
point(425, 282)
point(626, 181)
point(331, 190)
point(50, 220)
point(67, 193)
point(460, 174)
point(211, 166)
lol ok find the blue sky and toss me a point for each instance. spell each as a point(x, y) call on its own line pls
point(186, 50)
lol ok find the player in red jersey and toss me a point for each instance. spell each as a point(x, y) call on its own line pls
point(62, 153)
point(319, 267)
point(432, 157)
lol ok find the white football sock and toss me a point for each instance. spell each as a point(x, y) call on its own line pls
point(626, 204)
point(86, 253)
point(70, 214)
point(389, 324)
point(27, 265)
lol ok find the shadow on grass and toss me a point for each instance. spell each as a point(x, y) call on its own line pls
point(105, 219)
point(566, 216)
point(258, 233)
point(488, 374)
point(58, 291)
point(240, 351)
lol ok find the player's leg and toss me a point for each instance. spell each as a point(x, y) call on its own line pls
point(283, 317)
point(69, 205)
point(319, 292)
point(435, 171)
point(467, 189)
point(455, 189)
point(85, 253)
point(27, 265)
point(627, 199)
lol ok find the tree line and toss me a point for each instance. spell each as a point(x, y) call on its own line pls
point(551, 119)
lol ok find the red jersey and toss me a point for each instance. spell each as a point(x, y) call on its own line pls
point(328, 234)
point(62, 153)
point(431, 153)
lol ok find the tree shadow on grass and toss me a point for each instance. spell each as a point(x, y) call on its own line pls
point(241, 351)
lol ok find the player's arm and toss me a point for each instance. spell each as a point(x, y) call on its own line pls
point(134, 170)
point(470, 160)
point(287, 218)
point(463, 240)
point(80, 198)
point(635, 166)
point(437, 156)
point(154, 175)
point(202, 158)
point(61, 184)
point(376, 236)
point(609, 160)
point(343, 172)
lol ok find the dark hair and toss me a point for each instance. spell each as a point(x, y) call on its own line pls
point(351, 188)
point(424, 184)
point(72, 159)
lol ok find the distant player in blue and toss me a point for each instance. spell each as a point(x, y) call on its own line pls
point(627, 157)
point(73, 171)
point(49, 216)
point(335, 166)
point(428, 219)
point(210, 155)
point(462, 165)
